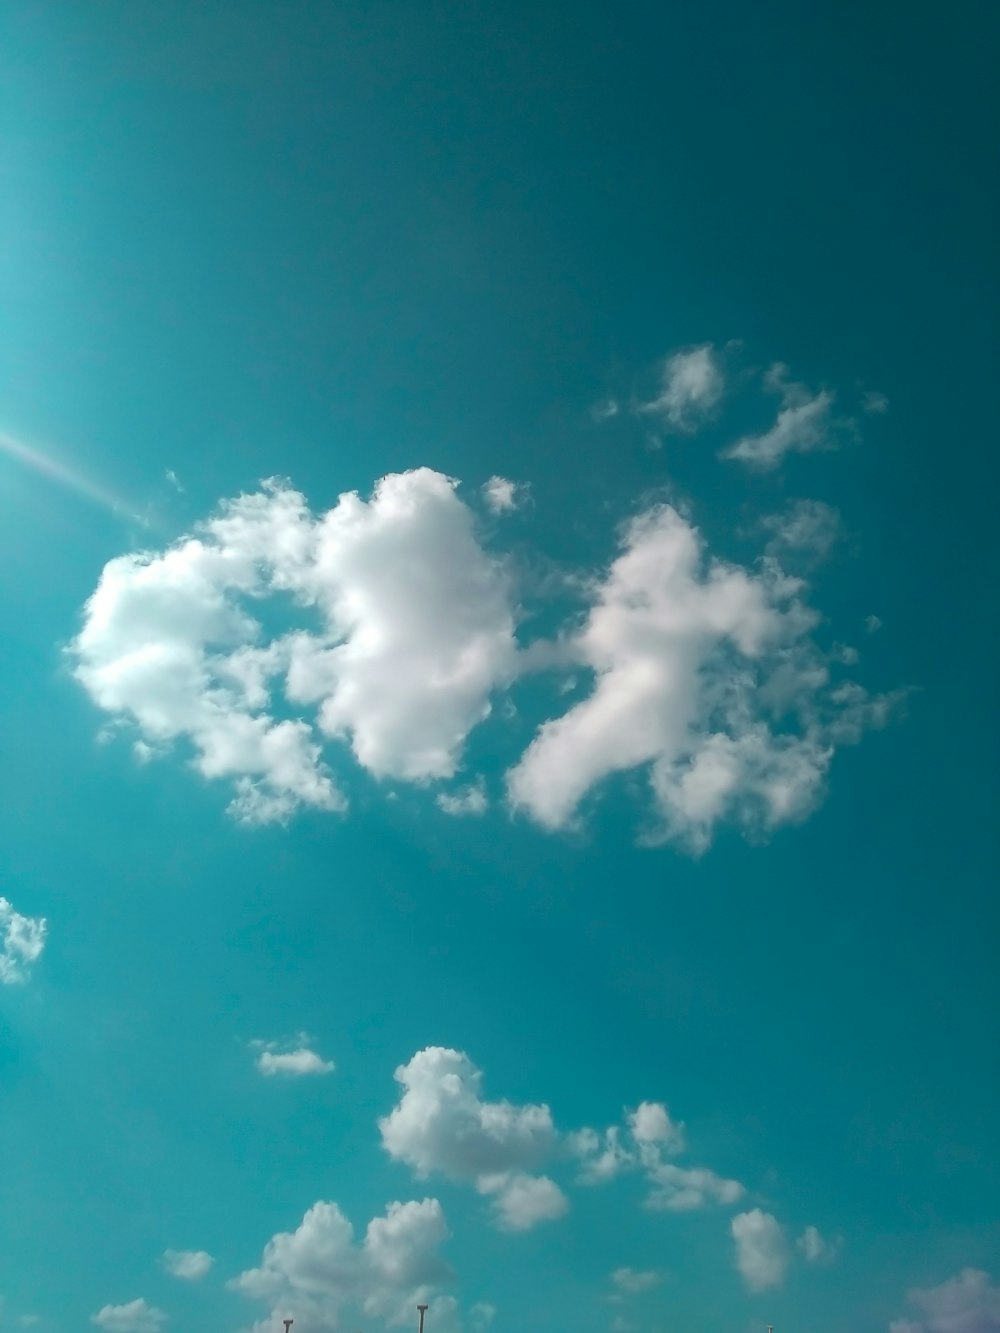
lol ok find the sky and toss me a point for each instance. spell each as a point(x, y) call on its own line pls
point(498, 738)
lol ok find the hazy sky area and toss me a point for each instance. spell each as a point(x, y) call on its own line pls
point(498, 764)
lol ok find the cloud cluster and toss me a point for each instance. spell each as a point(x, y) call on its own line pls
point(22, 939)
point(442, 1125)
point(632, 1281)
point(314, 1273)
point(703, 673)
point(295, 1061)
point(648, 1141)
point(968, 1303)
point(136, 1316)
point(412, 631)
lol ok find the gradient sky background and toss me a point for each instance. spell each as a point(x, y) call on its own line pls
point(333, 242)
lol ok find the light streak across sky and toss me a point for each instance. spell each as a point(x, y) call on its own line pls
point(48, 466)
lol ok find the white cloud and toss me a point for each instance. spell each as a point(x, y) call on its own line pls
point(872, 624)
point(968, 1303)
point(875, 403)
point(807, 527)
point(522, 1201)
point(470, 800)
point(604, 1158)
point(137, 1316)
point(22, 939)
point(762, 1253)
point(691, 388)
point(632, 1281)
point(188, 1264)
point(414, 632)
point(317, 1271)
point(816, 1248)
point(605, 410)
point(442, 1124)
point(650, 1122)
point(804, 424)
point(703, 672)
point(679, 1189)
point(298, 1061)
point(503, 496)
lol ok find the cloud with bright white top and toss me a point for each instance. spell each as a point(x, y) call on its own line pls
point(318, 1271)
point(442, 1125)
point(22, 939)
point(503, 496)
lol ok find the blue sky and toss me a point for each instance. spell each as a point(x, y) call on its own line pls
point(498, 739)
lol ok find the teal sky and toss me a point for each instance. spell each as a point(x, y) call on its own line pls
point(550, 825)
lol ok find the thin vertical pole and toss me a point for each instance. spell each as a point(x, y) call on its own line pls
point(421, 1308)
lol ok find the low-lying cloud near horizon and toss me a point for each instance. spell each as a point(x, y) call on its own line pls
point(702, 673)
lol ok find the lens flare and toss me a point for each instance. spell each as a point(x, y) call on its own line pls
point(50, 467)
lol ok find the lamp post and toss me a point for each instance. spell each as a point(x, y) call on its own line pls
point(422, 1309)
point(288, 1323)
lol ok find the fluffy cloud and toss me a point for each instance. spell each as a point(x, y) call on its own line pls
point(470, 800)
point(632, 1281)
point(522, 1201)
point(408, 630)
point(22, 939)
point(691, 388)
point(762, 1253)
point(442, 1124)
point(706, 674)
point(650, 1122)
point(188, 1264)
point(313, 1273)
point(296, 1062)
point(137, 1316)
point(815, 1247)
point(503, 496)
point(804, 424)
point(968, 1303)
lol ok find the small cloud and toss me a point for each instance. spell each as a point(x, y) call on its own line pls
point(137, 1316)
point(872, 624)
point(296, 1062)
point(845, 654)
point(632, 1281)
point(805, 527)
point(761, 1249)
point(522, 1201)
point(816, 1248)
point(968, 1303)
point(606, 410)
point(22, 939)
point(187, 1264)
point(471, 800)
point(650, 1122)
point(691, 388)
point(503, 496)
point(172, 477)
point(874, 403)
point(804, 424)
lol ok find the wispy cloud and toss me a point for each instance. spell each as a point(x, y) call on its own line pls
point(470, 800)
point(804, 424)
point(503, 496)
point(691, 388)
point(968, 1303)
point(136, 1316)
point(191, 1265)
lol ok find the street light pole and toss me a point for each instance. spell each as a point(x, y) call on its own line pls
point(421, 1308)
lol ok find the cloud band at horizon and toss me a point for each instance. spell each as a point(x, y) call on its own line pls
point(705, 674)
